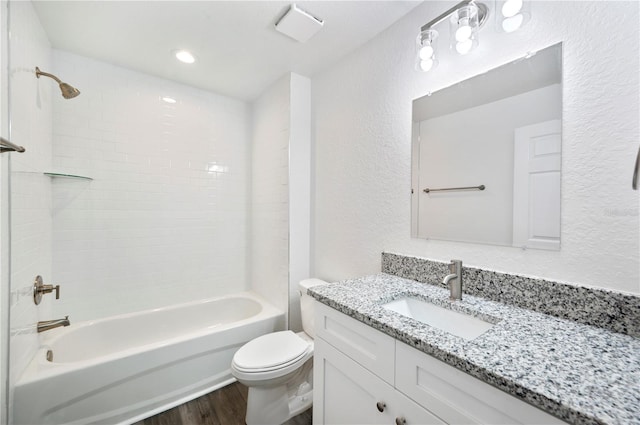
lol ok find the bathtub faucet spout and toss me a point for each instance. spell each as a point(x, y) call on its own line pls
point(52, 324)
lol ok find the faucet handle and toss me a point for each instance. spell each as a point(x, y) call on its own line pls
point(39, 288)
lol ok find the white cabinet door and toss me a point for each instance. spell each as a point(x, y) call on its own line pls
point(347, 393)
point(344, 392)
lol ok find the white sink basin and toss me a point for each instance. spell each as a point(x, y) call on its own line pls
point(453, 322)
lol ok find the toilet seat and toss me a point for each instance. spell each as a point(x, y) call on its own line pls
point(271, 356)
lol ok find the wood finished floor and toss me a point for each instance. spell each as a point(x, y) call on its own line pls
point(226, 406)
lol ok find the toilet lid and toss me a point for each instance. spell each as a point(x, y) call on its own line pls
point(271, 350)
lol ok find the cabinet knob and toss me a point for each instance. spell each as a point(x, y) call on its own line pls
point(381, 405)
point(401, 421)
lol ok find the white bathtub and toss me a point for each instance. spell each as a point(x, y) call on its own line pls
point(125, 368)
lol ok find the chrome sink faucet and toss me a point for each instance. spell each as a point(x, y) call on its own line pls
point(52, 324)
point(454, 280)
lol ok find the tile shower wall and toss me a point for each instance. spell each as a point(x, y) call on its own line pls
point(31, 225)
point(165, 218)
point(363, 146)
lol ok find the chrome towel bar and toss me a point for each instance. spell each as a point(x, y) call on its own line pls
point(481, 187)
point(7, 146)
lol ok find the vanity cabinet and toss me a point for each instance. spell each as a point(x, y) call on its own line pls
point(350, 394)
point(358, 369)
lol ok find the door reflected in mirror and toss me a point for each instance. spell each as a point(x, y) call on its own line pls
point(486, 156)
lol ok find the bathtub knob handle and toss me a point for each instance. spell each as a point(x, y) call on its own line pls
point(39, 288)
point(381, 406)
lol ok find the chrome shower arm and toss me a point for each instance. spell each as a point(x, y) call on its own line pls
point(46, 74)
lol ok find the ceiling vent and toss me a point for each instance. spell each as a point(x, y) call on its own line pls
point(298, 24)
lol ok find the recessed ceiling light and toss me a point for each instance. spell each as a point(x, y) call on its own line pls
point(184, 56)
point(168, 99)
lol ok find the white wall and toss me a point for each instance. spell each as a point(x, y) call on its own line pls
point(472, 147)
point(363, 146)
point(280, 210)
point(270, 193)
point(165, 219)
point(31, 225)
point(299, 193)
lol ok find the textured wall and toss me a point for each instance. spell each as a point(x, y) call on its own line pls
point(165, 219)
point(363, 146)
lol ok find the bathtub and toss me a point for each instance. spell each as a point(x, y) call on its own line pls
point(125, 368)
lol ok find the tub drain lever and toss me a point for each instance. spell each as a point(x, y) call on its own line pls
point(40, 288)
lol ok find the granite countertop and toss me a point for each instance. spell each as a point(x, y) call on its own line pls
point(579, 373)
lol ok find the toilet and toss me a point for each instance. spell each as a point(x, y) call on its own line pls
point(278, 368)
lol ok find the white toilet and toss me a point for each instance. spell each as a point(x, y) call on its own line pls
point(278, 368)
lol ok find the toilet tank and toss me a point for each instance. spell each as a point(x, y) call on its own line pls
point(306, 305)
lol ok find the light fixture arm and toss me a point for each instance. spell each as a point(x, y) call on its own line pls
point(483, 13)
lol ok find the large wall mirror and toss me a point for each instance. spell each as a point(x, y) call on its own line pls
point(486, 156)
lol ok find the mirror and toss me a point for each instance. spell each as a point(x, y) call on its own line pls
point(486, 156)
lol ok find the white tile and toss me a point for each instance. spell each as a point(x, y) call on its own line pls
point(147, 222)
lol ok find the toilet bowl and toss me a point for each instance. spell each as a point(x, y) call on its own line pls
point(278, 369)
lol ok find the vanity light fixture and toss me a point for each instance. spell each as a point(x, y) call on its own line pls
point(465, 21)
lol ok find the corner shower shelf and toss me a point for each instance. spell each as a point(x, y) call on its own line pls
point(68, 176)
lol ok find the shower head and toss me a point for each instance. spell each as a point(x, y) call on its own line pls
point(68, 91)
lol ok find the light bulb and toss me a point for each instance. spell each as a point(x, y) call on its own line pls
point(511, 7)
point(513, 23)
point(464, 31)
point(184, 56)
point(426, 52)
point(426, 65)
point(464, 47)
